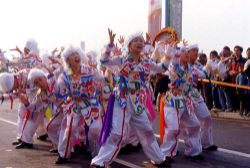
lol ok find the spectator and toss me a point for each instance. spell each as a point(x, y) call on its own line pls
point(225, 91)
point(213, 61)
point(236, 62)
point(206, 89)
point(247, 72)
point(241, 79)
point(248, 53)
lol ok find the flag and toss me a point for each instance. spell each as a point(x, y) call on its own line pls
point(173, 15)
point(154, 17)
point(48, 113)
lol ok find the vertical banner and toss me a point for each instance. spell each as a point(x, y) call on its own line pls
point(174, 14)
point(167, 13)
point(154, 17)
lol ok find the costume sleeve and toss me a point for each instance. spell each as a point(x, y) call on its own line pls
point(62, 87)
point(57, 72)
point(108, 60)
point(158, 68)
point(169, 55)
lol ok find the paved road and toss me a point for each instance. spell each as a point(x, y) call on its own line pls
point(233, 138)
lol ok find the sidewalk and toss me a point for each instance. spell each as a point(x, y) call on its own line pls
point(229, 115)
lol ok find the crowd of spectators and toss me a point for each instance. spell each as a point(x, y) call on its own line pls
point(230, 66)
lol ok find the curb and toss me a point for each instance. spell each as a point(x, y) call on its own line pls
point(229, 115)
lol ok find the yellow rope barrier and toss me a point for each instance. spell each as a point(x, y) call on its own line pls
point(225, 84)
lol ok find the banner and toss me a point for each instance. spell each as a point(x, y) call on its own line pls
point(154, 17)
point(174, 15)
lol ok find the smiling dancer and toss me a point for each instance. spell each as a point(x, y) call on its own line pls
point(129, 103)
point(77, 82)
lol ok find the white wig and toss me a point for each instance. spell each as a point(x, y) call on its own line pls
point(45, 57)
point(34, 74)
point(6, 82)
point(92, 55)
point(193, 46)
point(32, 45)
point(133, 36)
point(69, 51)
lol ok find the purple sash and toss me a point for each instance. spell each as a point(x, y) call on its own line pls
point(107, 124)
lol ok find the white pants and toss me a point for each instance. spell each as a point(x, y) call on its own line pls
point(131, 137)
point(94, 135)
point(53, 128)
point(177, 121)
point(205, 119)
point(120, 121)
point(30, 126)
point(69, 132)
point(20, 119)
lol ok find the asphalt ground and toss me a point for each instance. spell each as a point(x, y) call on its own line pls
point(231, 136)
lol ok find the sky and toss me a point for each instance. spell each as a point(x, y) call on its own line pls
point(53, 23)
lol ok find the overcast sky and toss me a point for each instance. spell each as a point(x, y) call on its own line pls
point(210, 23)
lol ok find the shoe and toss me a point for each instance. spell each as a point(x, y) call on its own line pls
point(95, 166)
point(248, 114)
point(24, 145)
point(43, 137)
point(125, 150)
point(196, 157)
point(17, 142)
point(216, 109)
point(61, 160)
point(135, 148)
point(169, 159)
point(165, 164)
point(53, 150)
point(211, 148)
point(77, 149)
point(241, 113)
point(229, 110)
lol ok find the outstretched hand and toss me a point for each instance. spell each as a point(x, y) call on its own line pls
point(54, 51)
point(111, 36)
point(148, 38)
point(117, 50)
point(185, 43)
point(16, 49)
point(121, 40)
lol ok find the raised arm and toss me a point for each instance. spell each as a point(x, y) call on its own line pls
point(106, 58)
point(167, 55)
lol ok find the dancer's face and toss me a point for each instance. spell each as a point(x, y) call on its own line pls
point(74, 61)
point(193, 54)
point(184, 57)
point(41, 82)
point(136, 45)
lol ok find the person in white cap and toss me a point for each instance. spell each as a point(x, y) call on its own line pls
point(77, 82)
point(45, 101)
point(16, 84)
point(129, 103)
point(200, 108)
point(179, 113)
point(92, 56)
point(4, 62)
point(29, 57)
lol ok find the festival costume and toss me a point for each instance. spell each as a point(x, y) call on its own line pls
point(81, 102)
point(179, 110)
point(128, 102)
